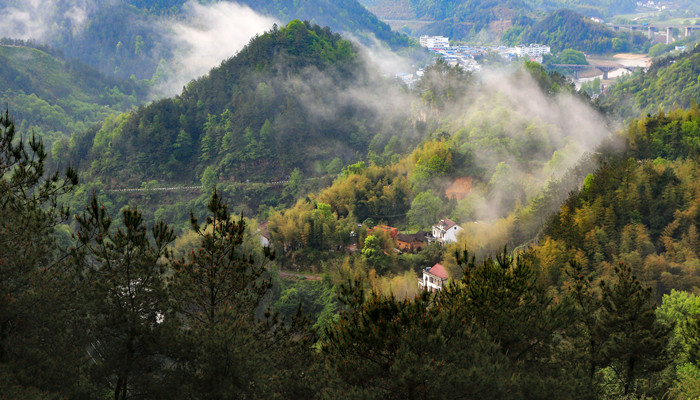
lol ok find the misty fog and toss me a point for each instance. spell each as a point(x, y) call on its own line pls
point(208, 35)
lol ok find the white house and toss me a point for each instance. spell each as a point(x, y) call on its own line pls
point(435, 42)
point(446, 231)
point(264, 235)
point(434, 278)
point(532, 50)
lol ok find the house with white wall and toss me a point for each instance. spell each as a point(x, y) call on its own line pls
point(446, 231)
point(434, 42)
point(434, 278)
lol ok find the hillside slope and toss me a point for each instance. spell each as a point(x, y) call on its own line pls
point(670, 82)
point(292, 98)
point(568, 29)
point(641, 208)
point(54, 98)
point(132, 37)
point(464, 19)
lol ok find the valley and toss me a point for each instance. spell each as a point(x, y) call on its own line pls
point(283, 199)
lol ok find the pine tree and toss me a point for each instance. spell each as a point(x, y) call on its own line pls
point(36, 347)
point(584, 332)
point(125, 298)
point(633, 341)
point(225, 350)
point(503, 297)
point(384, 348)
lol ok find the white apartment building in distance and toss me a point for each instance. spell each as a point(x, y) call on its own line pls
point(532, 50)
point(435, 42)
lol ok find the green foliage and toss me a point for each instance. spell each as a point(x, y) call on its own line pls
point(249, 119)
point(223, 348)
point(591, 88)
point(126, 37)
point(620, 343)
point(464, 18)
point(669, 83)
point(567, 29)
point(374, 253)
point(318, 300)
point(568, 56)
point(687, 385)
point(36, 284)
point(385, 348)
point(550, 83)
point(633, 341)
point(442, 84)
point(425, 209)
point(209, 179)
point(55, 97)
point(639, 212)
point(125, 298)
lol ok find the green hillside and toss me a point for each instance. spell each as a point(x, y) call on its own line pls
point(487, 20)
point(641, 208)
point(441, 9)
point(128, 37)
point(276, 106)
point(669, 83)
point(54, 98)
point(567, 29)
point(575, 276)
point(341, 16)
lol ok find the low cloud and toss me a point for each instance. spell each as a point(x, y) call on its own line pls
point(37, 19)
point(209, 35)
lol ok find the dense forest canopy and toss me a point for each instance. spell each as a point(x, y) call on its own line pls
point(124, 38)
point(487, 20)
point(56, 97)
point(465, 10)
point(567, 29)
point(574, 274)
point(291, 91)
point(669, 83)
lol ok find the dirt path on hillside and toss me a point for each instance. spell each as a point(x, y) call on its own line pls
point(296, 276)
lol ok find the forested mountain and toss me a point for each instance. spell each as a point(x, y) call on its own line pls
point(55, 98)
point(574, 276)
point(670, 82)
point(641, 208)
point(120, 315)
point(465, 19)
point(590, 8)
point(465, 10)
point(296, 90)
point(127, 38)
point(567, 29)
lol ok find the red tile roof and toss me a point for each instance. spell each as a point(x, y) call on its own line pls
point(446, 224)
point(439, 271)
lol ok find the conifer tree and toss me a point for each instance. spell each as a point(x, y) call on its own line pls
point(503, 297)
point(385, 348)
point(634, 342)
point(125, 299)
point(584, 332)
point(225, 349)
point(35, 319)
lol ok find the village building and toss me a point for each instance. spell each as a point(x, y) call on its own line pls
point(446, 231)
point(385, 230)
point(434, 278)
point(265, 239)
point(409, 243)
point(434, 42)
point(532, 50)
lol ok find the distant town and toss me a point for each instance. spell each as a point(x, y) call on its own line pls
point(465, 56)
